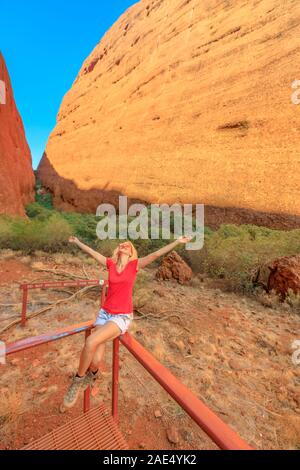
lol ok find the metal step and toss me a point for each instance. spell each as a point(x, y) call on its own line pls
point(95, 430)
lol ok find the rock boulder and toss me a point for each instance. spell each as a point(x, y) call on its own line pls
point(285, 275)
point(174, 267)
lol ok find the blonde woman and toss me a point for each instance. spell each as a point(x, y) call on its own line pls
point(116, 314)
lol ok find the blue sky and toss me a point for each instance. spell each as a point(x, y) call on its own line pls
point(44, 45)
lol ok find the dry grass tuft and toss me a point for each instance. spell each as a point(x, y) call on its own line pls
point(11, 408)
point(289, 436)
point(8, 254)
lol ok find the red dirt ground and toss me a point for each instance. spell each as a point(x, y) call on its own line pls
point(13, 271)
point(231, 351)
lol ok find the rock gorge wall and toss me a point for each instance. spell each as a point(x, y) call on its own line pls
point(186, 101)
point(16, 174)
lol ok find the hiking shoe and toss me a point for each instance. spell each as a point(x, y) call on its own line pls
point(93, 380)
point(72, 394)
point(90, 379)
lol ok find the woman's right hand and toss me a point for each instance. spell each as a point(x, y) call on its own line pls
point(73, 239)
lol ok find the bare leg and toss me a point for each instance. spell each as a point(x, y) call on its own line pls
point(106, 333)
point(91, 354)
point(97, 358)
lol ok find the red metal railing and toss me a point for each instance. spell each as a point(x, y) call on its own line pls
point(36, 341)
point(211, 424)
point(56, 284)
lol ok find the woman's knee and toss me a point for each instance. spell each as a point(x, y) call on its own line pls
point(91, 344)
point(100, 337)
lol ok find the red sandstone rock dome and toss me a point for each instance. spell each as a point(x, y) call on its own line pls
point(16, 174)
point(186, 101)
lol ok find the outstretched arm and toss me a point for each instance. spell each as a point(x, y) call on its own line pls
point(100, 258)
point(163, 251)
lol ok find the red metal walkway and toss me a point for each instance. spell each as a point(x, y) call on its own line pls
point(95, 430)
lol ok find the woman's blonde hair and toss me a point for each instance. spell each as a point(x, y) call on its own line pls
point(133, 256)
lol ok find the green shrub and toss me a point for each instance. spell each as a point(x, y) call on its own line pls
point(293, 300)
point(83, 225)
point(30, 235)
point(234, 253)
point(44, 200)
point(106, 247)
point(56, 232)
point(5, 231)
point(38, 211)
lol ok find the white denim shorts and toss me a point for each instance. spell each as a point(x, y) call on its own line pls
point(122, 320)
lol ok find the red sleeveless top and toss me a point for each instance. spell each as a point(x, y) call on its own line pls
point(120, 287)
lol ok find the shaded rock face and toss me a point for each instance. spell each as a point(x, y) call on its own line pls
point(285, 275)
point(174, 267)
point(16, 174)
point(186, 101)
